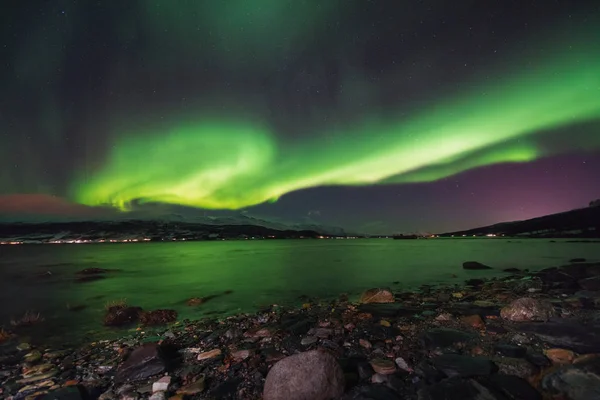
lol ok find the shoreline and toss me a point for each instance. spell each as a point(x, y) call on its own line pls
point(419, 344)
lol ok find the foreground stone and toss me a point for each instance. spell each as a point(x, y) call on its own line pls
point(528, 309)
point(567, 334)
point(312, 375)
point(577, 382)
point(142, 363)
point(378, 295)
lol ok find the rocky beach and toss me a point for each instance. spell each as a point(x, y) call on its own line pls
point(520, 336)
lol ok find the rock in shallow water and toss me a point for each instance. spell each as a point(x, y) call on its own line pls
point(528, 309)
point(144, 362)
point(474, 265)
point(377, 295)
point(312, 375)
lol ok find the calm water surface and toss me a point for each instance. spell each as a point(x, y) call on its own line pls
point(164, 275)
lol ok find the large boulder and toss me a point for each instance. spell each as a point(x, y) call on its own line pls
point(474, 265)
point(528, 309)
point(142, 363)
point(312, 375)
point(377, 295)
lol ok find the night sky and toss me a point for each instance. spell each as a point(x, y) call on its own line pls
point(377, 116)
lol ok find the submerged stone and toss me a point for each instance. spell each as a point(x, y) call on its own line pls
point(453, 365)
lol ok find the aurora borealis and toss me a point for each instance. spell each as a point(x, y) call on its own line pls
point(277, 107)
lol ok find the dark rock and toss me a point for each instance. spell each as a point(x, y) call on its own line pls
point(377, 295)
point(475, 282)
point(297, 326)
point(458, 389)
point(567, 334)
point(513, 387)
point(515, 366)
point(579, 381)
point(372, 392)
point(495, 387)
point(510, 350)
point(592, 283)
point(66, 393)
point(528, 309)
point(537, 359)
point(473, 309)
point(512, 270)
point(142, 363)
point(93, 271)
point(443, 337)
point(158, 317)
point(474, 265)
point(392, 310)
point(453, 365)
point(309, 375)
point(364, 369)
point(577, 260)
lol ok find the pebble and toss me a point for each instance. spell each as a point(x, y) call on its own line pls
point(308, 340)
point(560, 356)
point(161, 385)
point(383, 366)
point(209, 354)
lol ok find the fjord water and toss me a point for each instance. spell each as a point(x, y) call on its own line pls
point(42, 278)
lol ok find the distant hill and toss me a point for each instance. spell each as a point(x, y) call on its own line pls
point(125, 230)
point(582, 222)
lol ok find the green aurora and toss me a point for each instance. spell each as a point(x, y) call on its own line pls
point(230, 163)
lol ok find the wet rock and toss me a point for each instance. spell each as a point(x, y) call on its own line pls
point(389, 311)
point(512, 270)
point(569, 334)
point(241, 355)
point(372, 392)
point(560, 356)
point(577, 260)
point(142, 363)
point(442, 337)
point(592, 283)
point(377, 295)
point(158, 317)
point(365, 343)
point(383, 366)
point(121, 315)
point(528, 309)
point(309, 375)
point(579, 381)
point(537, 359)
point(308, 340)
point(512, 387)
point(481, 388)
point(474, 265)
point(474, 321)
point(515, 366)
point(510, 350)
point(67, 393)
point(195, 301)
point(209, 354)
point(453, 365)
point(193, 388)
point(364, 369)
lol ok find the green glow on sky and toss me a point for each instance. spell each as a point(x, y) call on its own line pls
point(229, 164)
